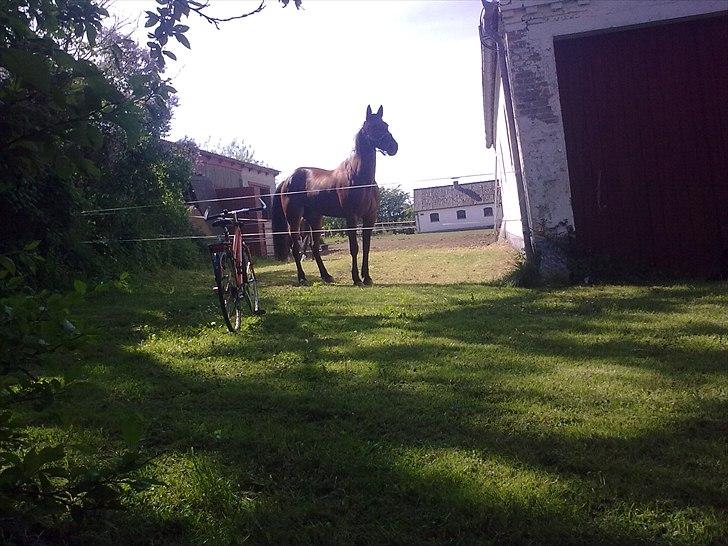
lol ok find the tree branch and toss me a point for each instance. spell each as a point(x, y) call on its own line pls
point(198, 8)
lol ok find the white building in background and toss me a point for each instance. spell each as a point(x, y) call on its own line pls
point(456, 207)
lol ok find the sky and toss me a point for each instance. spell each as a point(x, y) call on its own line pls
point(295, 84)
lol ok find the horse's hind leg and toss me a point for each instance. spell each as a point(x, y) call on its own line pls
point(316, 224)
point(294, 227)
point(353, 249)
point(366, 236)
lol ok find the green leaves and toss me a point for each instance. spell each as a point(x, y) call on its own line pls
point(182, 39)
point(90, 168)
point(8, 265)
point(28, 67)
point(79, 287)
point(129, 121)
point(152, 19)
point(35, 459)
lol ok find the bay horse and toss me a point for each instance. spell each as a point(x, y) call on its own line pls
point(349, 191)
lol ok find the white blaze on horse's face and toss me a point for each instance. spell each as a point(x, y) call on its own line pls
point(378, 132)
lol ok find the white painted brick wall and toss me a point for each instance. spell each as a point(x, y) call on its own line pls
point(475, 219)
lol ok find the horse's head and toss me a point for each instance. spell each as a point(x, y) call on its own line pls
point(377, 132)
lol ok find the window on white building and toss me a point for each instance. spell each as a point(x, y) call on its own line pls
point(434, 217)
point(488, 212)
point(461, 215)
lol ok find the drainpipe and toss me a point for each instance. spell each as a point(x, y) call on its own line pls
point(526, 224)
point(491, 32)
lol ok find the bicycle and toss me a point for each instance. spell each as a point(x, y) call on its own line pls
point(232, 265)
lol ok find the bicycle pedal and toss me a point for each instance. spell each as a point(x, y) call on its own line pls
point(215, 289)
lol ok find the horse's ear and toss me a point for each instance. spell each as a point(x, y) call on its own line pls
point(380, 111)
point(369, 111)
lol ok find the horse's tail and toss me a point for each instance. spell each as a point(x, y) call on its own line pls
point(281, 238)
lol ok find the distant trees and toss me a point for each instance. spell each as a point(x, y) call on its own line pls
point(236, 149)
point(394, 206)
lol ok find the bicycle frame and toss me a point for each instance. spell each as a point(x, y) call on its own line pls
point(234, 243)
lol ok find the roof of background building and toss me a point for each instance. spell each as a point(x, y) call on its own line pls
point(205, 155)
point(454, 195)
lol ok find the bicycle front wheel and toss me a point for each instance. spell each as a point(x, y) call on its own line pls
point(250, 284)
point(227, 290)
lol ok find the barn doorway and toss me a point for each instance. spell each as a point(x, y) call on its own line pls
point(645, 114)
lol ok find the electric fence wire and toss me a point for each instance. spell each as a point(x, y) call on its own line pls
point(246, 239)
point(113, 210)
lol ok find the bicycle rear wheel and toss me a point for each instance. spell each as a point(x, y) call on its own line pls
point(227, 290)
point(250, 284)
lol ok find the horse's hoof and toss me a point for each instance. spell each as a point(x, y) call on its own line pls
point(302, 282)
point(358, 283)
point(368, 281)
point(328, 279)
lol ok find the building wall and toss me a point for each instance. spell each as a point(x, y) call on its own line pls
point(530, 27)
point(449, 221)
point(230, 174)
point(511, 228)
point(266, 183)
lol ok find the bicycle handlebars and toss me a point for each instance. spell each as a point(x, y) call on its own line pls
point(229, 213)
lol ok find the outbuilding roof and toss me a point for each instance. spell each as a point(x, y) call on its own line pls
point(454, 195)
point(205, 156)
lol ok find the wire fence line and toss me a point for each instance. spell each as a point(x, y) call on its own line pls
point(216, 200)
point(251, 239)
point(113, 210)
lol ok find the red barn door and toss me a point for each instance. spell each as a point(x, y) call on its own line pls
point(645, 115)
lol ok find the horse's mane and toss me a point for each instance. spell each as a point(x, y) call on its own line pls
point(351, 163)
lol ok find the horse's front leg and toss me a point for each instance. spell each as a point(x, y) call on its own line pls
point(366, 237)
point(353, 249)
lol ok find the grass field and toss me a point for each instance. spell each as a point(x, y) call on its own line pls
point(412, 412)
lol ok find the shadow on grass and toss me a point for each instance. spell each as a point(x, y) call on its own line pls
point(393, 453)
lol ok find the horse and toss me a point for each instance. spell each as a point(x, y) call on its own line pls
point(349, 191)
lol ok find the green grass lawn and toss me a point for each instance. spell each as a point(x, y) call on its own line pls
point(411, 412)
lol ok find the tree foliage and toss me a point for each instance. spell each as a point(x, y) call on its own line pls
point(83, 111)
point(236, 148)
point(394, 205)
